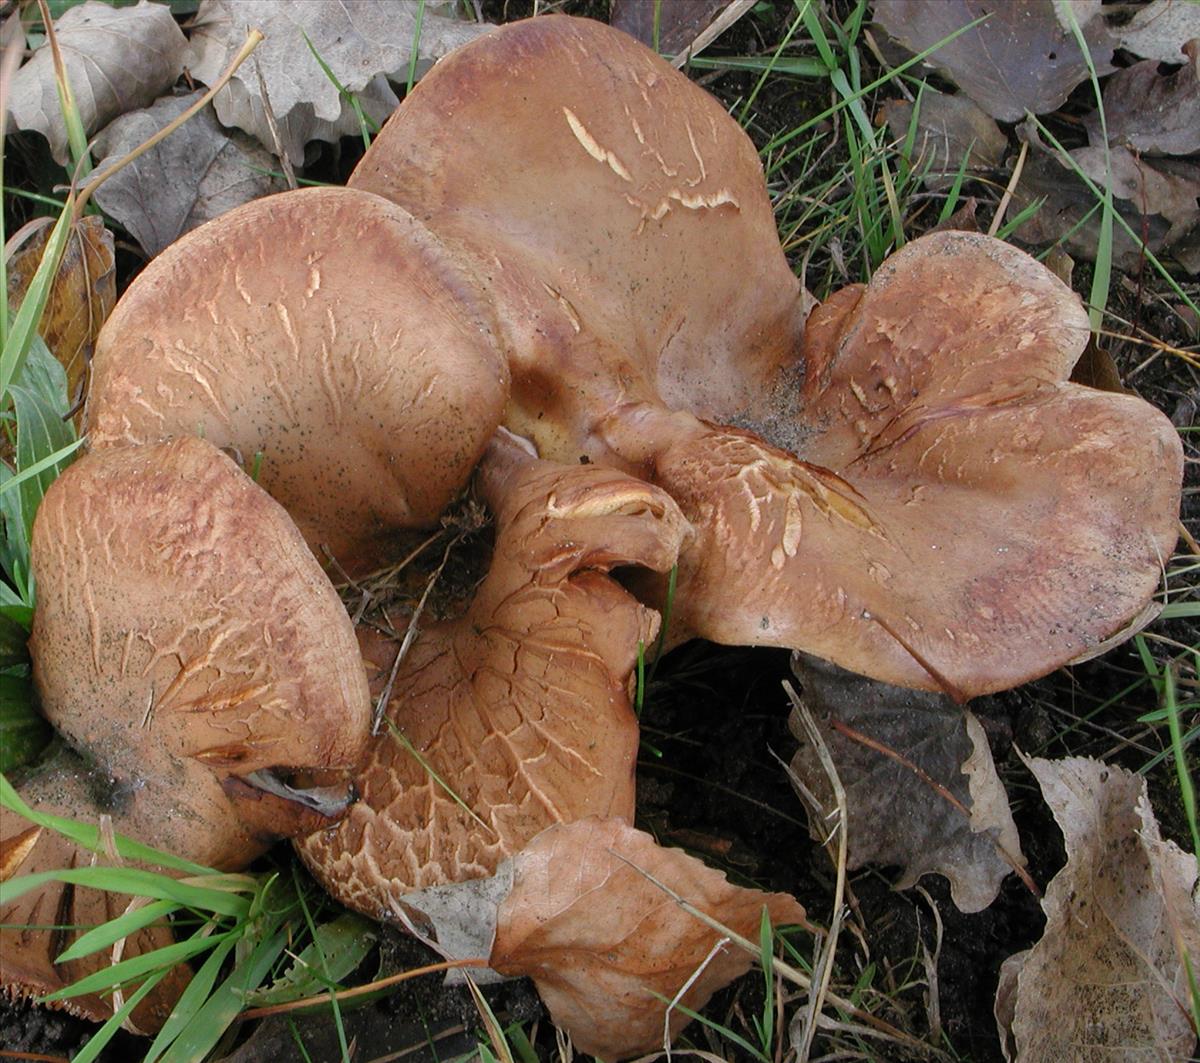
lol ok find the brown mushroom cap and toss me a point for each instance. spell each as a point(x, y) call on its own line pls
point(188, 641)
point(520, 708)
point(615, 214)
point(64, 787)
point(327, 331)
point(958, 517)
point(926, 500)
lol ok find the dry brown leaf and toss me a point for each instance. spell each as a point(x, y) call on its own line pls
point(1021, 58)
point(364, 42)
point(1166, 187)
point(949, 129)
point(1160, 29)
point(679, 23)
point(1106, 983)
point(117, 59)
point(894, 817)
point(201, 170)
point(81, 296)
point(604, 944)
point(1068, 213)
point(1149, 111)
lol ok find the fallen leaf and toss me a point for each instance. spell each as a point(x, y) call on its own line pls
point(1096, 369)
point(607, 947)
point(1106, 982)
point(895, 817)
point(949, 129)
point(461, 917)
point(81, 297)
point(679, 22)
point(337, 948)
point(1022, 58)
point(199, 171)
point(963, 220)
point(1160, 29)
point(117, 59)
point(1149, 111)
point(1069, 214)
point(1187, 252)
point(363, 42)
point(1166, 187)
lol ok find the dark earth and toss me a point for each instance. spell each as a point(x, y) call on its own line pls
point(715, 730)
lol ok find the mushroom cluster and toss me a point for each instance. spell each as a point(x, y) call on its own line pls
point(557, 261)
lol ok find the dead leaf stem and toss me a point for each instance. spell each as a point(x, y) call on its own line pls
point(356, 991)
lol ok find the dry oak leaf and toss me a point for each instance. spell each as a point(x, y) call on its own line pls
point(201, 170)
point(1160, 29)
point(605, 945)
point(117, 60)
point(81, 297)
point(1149, 111)
point(363, 42)
point(1107, 982)
point(894, 816)
point(1023, 57)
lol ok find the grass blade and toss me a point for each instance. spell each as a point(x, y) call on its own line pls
point(98, 1040)
point(135, 881)
point(212, 1019)
point(192, 1000)
point(88, 836)
point(101, 937)
point(136, 966)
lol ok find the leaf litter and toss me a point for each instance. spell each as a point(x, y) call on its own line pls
point(81, 297)
point(945, 808)
point(949, 130)
point(1151, 111)
point(197, 173)
point(364, 43)
point(1107, 980)
point(1021, 57)
point(117, 59)
point(1024, 56)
